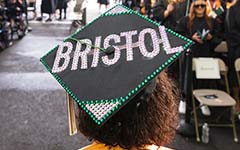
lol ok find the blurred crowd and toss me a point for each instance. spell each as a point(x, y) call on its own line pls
point(13, 20)
point(214, 26)
point(208, 23)
point(14, 16)
point(51, 6)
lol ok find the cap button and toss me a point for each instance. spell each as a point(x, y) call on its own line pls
point(110, 50)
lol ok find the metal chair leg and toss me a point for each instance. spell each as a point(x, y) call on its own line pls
point(234, 126)
point(195, 120)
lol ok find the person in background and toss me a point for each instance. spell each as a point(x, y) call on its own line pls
point(25, 8)
point(148, 7)
point(202, 29)
point(117, 1)
point(131, 3)
point(232, 24)
point(48, 7)
point(169, 12)
point(229, 3)
point(62, 5)
point(103, 2)
point(5, 27)
point(2, 19)
point(32, 4)
point(15, 8)
point(147, 122)
point(216, 9)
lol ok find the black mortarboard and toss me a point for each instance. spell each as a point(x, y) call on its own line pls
point(107, 62)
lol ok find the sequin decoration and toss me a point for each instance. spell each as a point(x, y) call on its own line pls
point(101, 109)
point(106, 60)
point(166, 44)
point(96, 51)
point(155, 42)
point(81, 53)
point(117, 9)
point(129, 43)
point(67, 46)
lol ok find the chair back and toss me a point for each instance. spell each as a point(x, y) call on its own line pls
point(222, 47)
point(237, 69)
point(237, 64)
point(222, 68)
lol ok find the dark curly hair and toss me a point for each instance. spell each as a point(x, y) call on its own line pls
point(140, 122)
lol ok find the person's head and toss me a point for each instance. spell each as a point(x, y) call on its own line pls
point(143, 121)
point(198, 8)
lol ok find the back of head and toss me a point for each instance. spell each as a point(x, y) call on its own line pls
point(145, 120)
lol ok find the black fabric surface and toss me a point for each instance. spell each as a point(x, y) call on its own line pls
point(119, 79)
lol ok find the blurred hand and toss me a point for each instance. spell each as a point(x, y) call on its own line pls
point(197, 38)
point(20, 1)
point(209, 36)
point(170, 8)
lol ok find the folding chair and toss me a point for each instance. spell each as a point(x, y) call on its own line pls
point(221, 99)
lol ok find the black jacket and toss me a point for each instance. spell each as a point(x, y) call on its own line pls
point(199, 50)
point(233, 25)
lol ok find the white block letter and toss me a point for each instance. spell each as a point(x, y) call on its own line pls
point(96, 52)
point(117, 52)
point(83, 54)
point(166, 44)
point(155, 42)
point(60, 55)
point(129, 43)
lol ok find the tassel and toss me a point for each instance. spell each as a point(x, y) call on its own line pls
point(71, 116)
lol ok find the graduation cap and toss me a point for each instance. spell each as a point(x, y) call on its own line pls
point(107, 62)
